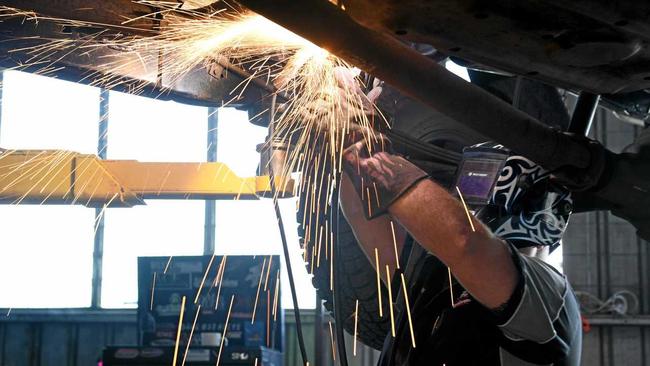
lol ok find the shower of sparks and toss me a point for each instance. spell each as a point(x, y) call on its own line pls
point(356, 320)
point(451, 287)
point(319, 246)
point(216, 278)
point(331, 266)
point(332, 341)
point(369, 203)
point(469, 216)
point(392, 229)
point(225, 329)
point(322, 91)
point(268, 318)
point(189, 341)
point(390, 303)
point(268, 271)
point(153, 289)
point(178, 332)
point(169, 261)
point(322, 95)
point(257, 295)
point(408, 309)
point(205, 275)
point(222, 268)
point(275, 296)
point(328, 234)
point(377, 269)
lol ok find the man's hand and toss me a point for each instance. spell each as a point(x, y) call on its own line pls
point(380, 235)
point(378, 175)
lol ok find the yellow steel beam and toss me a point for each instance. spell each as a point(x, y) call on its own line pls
point(64, 177)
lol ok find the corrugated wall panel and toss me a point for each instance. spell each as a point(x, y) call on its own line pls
point(55, 344)
point(603, 255)
point(626, 346)
point(18, 345)
point(94, 340)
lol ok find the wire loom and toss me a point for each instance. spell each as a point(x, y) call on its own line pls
point(620, 303)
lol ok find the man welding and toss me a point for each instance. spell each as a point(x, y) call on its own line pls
point(504, 306)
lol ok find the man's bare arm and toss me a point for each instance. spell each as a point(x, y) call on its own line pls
point(481, 262)
point(374, 233)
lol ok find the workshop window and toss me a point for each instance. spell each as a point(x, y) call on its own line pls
point(151, 130)
point(46, 256)
point(250, 227)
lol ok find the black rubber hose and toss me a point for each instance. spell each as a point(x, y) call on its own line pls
point(338, 316)
point(287, 261)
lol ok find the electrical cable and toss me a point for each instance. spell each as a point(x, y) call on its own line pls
point(287, 260)
point(338, 316)
point(623, 302)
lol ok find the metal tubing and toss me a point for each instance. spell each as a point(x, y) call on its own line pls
point(421, 78)
point(102, 140)
point(98, 239)
point(583, 114)
point(209, 241)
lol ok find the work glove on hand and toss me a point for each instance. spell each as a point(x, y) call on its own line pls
point(378, 175)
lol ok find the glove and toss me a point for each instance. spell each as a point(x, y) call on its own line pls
point(378, 175)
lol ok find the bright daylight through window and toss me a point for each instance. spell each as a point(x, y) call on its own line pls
point(145, 129)
point(46, 256)
point(48, 249)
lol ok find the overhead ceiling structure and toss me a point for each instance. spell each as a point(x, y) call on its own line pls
point(81, 22)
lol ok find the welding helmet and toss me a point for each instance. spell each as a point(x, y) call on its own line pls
point(513, 196)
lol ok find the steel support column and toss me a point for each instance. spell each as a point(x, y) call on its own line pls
point(387, 58)
point(98, 250)
point(210, 205)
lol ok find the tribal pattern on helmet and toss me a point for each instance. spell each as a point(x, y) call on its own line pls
point(533, 211)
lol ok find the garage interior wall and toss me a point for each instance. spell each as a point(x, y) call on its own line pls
point(602, 257)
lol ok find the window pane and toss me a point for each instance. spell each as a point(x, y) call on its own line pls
point(46, 256)
point(147, 129)
point(150, 130)
point(46, 259)
point(162, 228)
point(250, 227)
point(45, 113)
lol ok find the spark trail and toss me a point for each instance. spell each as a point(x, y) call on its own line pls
point(321, 97)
